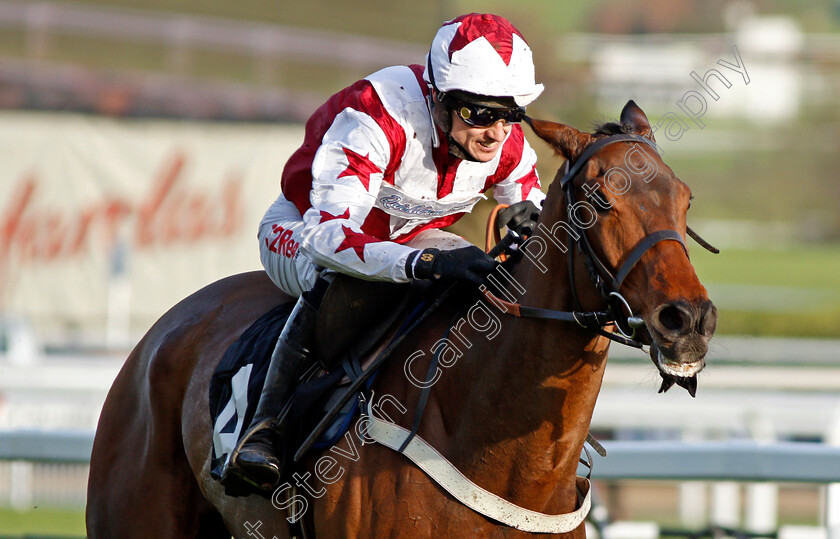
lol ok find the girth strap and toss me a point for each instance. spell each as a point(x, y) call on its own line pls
point(428, 459)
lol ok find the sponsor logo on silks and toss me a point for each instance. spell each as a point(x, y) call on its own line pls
point(395, 202)
point(282, 244)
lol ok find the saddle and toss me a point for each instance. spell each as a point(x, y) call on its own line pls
point(355, 315)
point(357, 319)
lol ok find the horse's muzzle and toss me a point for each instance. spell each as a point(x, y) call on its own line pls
point(680, 332)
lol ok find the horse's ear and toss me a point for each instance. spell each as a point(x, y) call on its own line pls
point(635, 116)
point(566, 141)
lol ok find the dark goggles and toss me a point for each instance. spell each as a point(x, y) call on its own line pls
point(481, 116)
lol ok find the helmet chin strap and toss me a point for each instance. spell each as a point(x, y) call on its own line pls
point(431, 107)
point(459, 151)
point(443, 120)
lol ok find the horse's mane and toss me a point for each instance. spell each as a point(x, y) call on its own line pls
point(612, 128)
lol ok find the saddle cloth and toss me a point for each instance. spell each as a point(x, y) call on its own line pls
point(238, 379)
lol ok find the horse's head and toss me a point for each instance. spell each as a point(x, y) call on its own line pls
point(629, 209)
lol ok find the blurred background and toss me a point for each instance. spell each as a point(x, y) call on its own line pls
point(141, 142)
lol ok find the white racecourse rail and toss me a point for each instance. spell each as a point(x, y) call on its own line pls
point(754, 395)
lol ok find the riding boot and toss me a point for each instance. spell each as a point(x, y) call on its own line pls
point(254, 461)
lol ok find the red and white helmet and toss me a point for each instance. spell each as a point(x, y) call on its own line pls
point(483, 54)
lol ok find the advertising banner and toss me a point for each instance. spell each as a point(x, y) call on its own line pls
point(105, 224)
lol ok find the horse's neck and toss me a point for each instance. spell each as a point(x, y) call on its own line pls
point(525, 397)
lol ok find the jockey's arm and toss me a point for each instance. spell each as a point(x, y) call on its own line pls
point(343, 230)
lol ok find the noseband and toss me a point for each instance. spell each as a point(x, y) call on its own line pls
point(608, 285)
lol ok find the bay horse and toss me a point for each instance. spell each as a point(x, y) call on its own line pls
point(511, 411)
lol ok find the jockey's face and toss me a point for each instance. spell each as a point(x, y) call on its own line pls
point(483, 143)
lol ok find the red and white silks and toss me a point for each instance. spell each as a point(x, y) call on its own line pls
point(367, 180)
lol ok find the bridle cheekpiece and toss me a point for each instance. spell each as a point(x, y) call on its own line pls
point(618, 310)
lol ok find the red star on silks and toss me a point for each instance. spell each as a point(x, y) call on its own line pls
point(359, 166)
point(355, 241)
point(326, 216)
point(528, 182)
point(494, 29)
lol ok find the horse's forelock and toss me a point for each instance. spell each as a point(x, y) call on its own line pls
point(612, 128)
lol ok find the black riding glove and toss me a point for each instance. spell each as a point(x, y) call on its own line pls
point(520, 217)
point(465, 264)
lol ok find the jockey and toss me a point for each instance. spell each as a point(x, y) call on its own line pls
point(385, 164)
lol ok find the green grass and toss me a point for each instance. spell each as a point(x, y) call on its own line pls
point(814, 267)
point(762, 292)
point(405, 20)
point(52, 522)
point(792, 291)
point(796, 186)
point(200, 64)
point(759, 292)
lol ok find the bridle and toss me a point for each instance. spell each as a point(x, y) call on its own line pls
point(608, 285)
point(618, 310)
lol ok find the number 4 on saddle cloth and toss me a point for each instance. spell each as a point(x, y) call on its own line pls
point(357, 320)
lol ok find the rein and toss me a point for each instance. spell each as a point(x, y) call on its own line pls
point(618, 310)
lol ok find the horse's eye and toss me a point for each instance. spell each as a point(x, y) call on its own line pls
point(599, 200)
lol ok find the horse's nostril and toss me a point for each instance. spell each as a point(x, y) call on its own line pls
point(708, 320)
point(672, 318)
